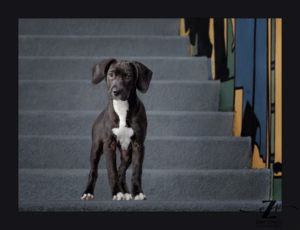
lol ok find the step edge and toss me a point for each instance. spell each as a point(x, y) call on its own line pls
point(166, 37)
point(59, 171)
point(152, 138)
point(202, 58)
point(179, 82)
point(149, 112)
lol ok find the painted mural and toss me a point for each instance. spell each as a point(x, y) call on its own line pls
point(245, 54)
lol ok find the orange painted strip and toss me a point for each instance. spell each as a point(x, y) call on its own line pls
point(257, 161)
point(212, 41)
point(233, 30)
point(238, 108)
point(278, 92)
point(182, 28)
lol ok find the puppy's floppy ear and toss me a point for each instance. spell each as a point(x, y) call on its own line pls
point(144, 76)
point(100, 70)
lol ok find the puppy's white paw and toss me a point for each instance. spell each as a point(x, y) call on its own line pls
point(119, 196)
point(87, 196)
point(141, 196)
point(128, 196)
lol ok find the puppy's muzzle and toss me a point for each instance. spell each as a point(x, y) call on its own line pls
point(116, 92)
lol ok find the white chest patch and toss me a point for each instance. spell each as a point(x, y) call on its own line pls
point(123, 133)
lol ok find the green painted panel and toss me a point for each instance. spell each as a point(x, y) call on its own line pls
point(272, 86)
point(230, 54)
point(195, 48)
point(272, 133)
point(272, 181)
point(273, 39)
point(277, 188)
point(226, 96)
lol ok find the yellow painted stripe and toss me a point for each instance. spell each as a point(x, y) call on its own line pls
point(257, 161)
point(212, 41)
point(269, 85)
point(182, 28)
point(278, 92)
point(238, 108)
point(225, 35)
point(191, 50)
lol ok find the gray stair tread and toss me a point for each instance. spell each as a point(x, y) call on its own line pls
point(103, 26)
point(47, 45)
point(160, 123)
point(83, 95)
point(80, 68)
point(69, 184)
point(161, 152)
point(144, 206)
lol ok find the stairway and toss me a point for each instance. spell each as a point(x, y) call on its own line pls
point(192, 160)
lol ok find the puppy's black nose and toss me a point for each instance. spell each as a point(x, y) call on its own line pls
point(116, 92)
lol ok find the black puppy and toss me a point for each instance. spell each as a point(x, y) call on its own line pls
point(122, 124)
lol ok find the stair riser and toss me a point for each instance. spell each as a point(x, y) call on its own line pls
point(157, 185)
point(146, 206)
point(204, 153)
point(170, 96)
point(159, 124)
point(79, 68)
point(99, 26)
point(103, 46)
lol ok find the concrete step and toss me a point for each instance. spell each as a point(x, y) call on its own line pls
point(80, 68)
point(69, 184)
point(161, 152)
point(103, 26)
point(160, 123)
point(144, 206)
point(89, 45)
point(83, 95)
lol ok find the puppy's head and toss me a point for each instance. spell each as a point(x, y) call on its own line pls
point(122, 77)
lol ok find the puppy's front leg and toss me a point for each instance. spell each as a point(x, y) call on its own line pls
point(96, 153)
point(109, 150)
point(138, 151)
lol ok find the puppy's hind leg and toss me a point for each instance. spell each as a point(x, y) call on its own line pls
point(126, 156)
point(96, 152)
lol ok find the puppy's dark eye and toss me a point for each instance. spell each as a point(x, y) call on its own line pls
point(127, 77)
point(110, 75)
